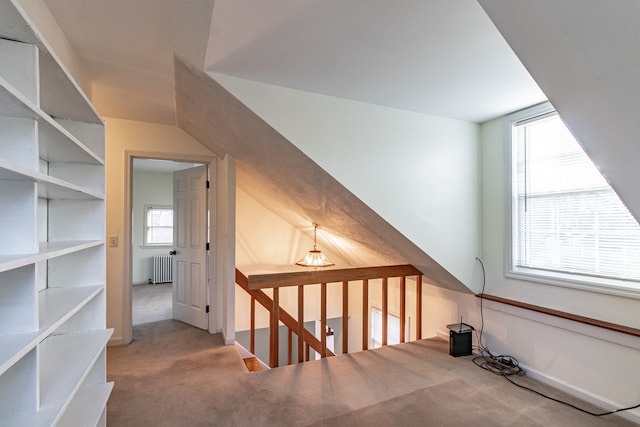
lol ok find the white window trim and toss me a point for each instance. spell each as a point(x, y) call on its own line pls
point(575, 281)
point(145, 244)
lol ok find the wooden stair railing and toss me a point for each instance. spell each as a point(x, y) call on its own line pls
point(282, 315)
point(255, 283)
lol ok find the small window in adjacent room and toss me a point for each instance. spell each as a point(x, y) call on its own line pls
point(568, 224)
point(158, 227)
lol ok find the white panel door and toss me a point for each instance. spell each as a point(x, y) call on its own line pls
point(190, 246)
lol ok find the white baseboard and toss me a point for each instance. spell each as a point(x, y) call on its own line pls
point(442, 334)
point(244, 353)
point(115, 341)
point(600, 401)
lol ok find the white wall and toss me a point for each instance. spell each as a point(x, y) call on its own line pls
point(154, 189)
point(266, 243)
point(419, 172)
point(588, 361)
point(383, 155)
point(123, 136)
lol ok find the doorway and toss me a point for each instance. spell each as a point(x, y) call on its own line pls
point(153, 270)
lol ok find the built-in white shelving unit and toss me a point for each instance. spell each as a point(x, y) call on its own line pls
point(53, 332)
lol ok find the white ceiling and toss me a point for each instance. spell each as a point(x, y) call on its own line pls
point(159, 166)
point(127, 48)
point(441, 57)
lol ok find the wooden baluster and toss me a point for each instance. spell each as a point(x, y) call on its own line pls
point(323, 320)
point(385, 310)
point(289, 346)
point(275, 329)
point(252, 343)
point(306, 352)
point(419, 307)
point(345, 317)
point(365, 314)
point(300, 324)
point(403, 297)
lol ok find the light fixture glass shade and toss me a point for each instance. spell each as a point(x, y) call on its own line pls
point(314, 259)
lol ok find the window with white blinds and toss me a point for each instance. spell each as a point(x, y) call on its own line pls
point(566, 217)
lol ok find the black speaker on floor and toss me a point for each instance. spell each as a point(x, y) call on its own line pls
point(460, 339)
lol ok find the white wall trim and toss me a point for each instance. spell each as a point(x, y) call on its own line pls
point(566, 324)
point(227, 340)
point(594, 399)
point(129, 155)
point(115, 341)
point(225, 274)
point(579, 328)
point(442, 335)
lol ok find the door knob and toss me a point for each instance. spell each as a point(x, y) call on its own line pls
point(172, 252)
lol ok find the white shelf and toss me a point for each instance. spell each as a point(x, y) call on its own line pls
point(65, 361)
point(52, 187)
point(49, 187)
point(14, 104)
point(12, 25)
point(56, 86)
point(56, 306)
point(87, 406)
point(48, 250)
point(15, 25)
point(56, 142)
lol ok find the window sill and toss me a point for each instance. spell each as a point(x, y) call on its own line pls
point(593, 284)
point(156, 246)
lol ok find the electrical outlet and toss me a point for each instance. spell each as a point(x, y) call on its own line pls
point(113, 241)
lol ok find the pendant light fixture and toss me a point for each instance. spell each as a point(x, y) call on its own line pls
point(314, 259)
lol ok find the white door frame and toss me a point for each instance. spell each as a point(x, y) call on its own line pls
point(212, 288)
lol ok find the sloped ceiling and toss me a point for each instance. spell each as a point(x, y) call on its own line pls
point(435, 57)
point(127, 49)
point(440, 57)
point(270, 168)
point(584, 54)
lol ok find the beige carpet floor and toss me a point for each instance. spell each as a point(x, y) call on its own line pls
point(175, 375)
point(151, 303)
